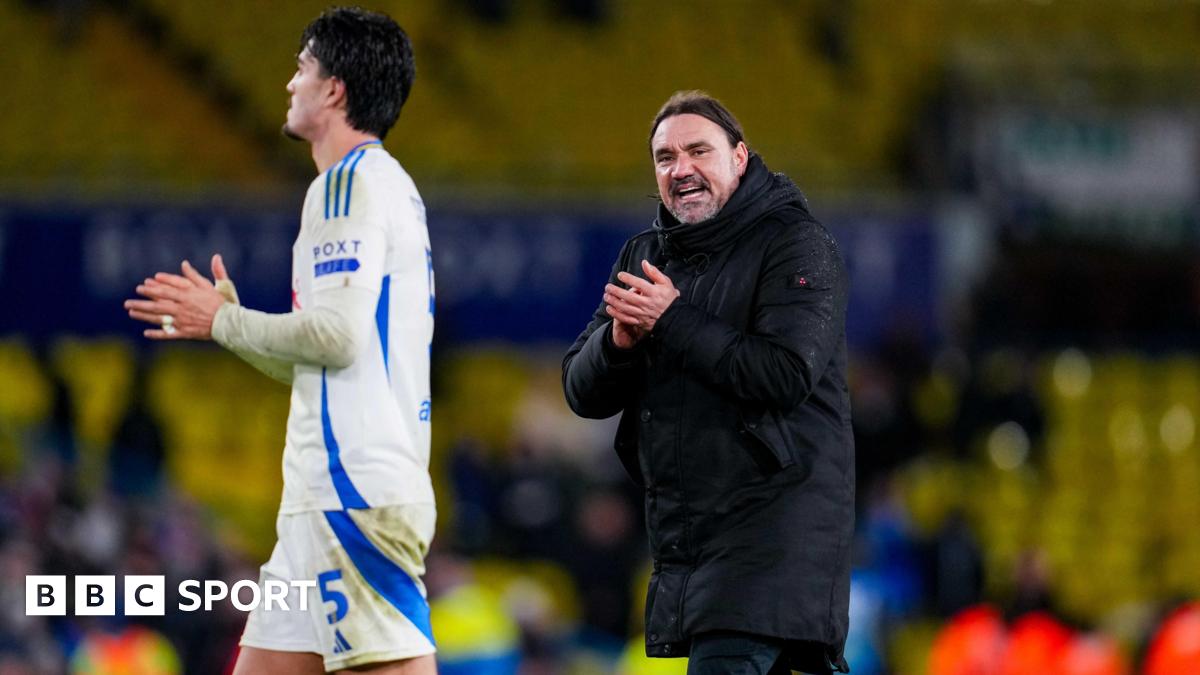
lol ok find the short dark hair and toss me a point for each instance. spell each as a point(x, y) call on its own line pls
point(695, 102)
point(372, 55)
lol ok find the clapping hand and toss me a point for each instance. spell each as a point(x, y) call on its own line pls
point(636, 310)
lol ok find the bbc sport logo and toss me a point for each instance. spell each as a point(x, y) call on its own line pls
point(146, 595)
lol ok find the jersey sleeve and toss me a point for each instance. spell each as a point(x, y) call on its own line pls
point(350, 243)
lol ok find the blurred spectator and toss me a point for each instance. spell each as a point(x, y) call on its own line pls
point(475, 634)
point(1032, 576)
point(1000, 390)
point(866, 639)
point(602, 560)
point(957, 579)
point(476, 502)
point(971, 643)
point(26, 645)
point(55, 437)
point(534, 506)
point(1037, 643)
point(889, 560)
point(132, 650)
point(138, 453)
point(1093, 655)
point(1175, 649)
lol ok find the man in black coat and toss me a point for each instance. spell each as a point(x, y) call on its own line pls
point(721, 341)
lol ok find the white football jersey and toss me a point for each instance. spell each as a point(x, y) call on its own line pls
point(358, 437)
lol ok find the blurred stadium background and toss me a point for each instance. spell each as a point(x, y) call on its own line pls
point(1015, 185)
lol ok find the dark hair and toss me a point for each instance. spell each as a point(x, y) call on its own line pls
point(695, 102)
point(372, 55)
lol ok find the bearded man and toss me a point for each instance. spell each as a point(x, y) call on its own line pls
point(721, 341)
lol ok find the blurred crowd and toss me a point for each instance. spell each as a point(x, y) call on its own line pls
point(540, 562)
point(58, 518)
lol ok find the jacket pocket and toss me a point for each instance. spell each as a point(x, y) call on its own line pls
point(767, 441)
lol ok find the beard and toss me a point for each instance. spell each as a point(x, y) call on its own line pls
point(695, 215)
point(287, 132)
point(698, 212)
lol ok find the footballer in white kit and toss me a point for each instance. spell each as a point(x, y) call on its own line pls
point(357, 513)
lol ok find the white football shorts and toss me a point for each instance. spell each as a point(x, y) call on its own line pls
point(369, 603)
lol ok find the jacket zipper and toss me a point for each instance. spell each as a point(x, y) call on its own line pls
point(687, 520)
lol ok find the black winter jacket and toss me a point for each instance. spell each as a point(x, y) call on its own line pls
point(735, 417)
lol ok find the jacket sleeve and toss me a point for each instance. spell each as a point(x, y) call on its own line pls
point(797, 323)
point(599, 377)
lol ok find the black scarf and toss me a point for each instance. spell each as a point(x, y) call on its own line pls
point(759, 193)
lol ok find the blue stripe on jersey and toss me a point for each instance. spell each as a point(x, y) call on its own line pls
point(347, 493)
point(337, 186)
point(328, 175)
point(350, 181)
point(335, 198)
point(382, 312)
point(429, 270)
point(385, 576)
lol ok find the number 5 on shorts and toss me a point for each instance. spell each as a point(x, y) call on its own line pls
point(340, 604)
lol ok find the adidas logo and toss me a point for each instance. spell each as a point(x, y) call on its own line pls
point(340, 645)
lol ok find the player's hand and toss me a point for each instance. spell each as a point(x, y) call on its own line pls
point(644, 302)
point(182, 307)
